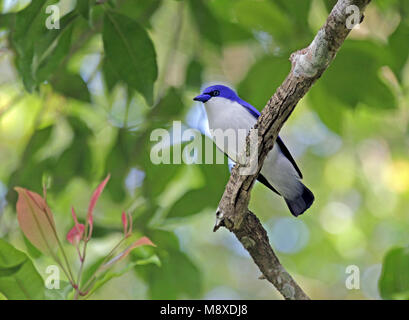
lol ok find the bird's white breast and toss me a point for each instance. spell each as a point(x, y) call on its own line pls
point(226, 115)
point(232, 119)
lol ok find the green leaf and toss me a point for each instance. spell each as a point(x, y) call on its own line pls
point(90, 271)
point(164, 281)
point(141, 10)
point(9, 256)
point(404, 10)
point(215, 176)
point(263, 16)
point(129, 151)
point(50, 60)
point(192, 202)
point(39, 50)
point(31, 250)
point(354, 78)
point(165, 239)
point(394, 280)
point(37, 141)
point(329, 109)
point(232, 32)
point(399, 47)
point(71, 85)
point(263, 79)
point(76, 160)
point(18, 277)
point(299, 34)
point(130, 52)
point(297, 10)
point(196, 200)
point(7, 20)
point(52, 47)
point(96, 16)
point(194, 74)
point(111, 77)
point(160, 175)
point(154, 259)
point(401, 6)
point(108, 275)
point(50, 37)
point(59, 294)
point(118, 164)
point(29, 24)
point(83, 7)
point(169, 107)
point(29, 172)
point(207, 23)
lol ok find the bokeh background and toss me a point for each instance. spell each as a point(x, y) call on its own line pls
point(79, 122)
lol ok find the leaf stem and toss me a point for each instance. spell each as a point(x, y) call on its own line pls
point(93, 276)
point(82, 258)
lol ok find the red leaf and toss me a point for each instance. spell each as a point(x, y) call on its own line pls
point(75, 234)
point(125, 223)
point(74, 215)
point(93, 202)
point(36, 220)
point(141, 242)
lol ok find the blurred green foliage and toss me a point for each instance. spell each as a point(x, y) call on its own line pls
point(19, 279)
point(82, 100)
point(394, 281)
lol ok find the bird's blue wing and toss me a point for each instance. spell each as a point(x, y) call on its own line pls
point(263, 180)
point(288, 155)
point(253, 111)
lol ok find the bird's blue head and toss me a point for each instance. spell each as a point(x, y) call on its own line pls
point(217, 91)
point(221, 91)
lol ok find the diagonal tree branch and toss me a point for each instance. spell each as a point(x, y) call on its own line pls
point(307, 66)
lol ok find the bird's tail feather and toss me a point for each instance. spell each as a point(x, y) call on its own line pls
point(298, 205)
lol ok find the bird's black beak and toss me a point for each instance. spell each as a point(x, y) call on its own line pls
point(202, 97)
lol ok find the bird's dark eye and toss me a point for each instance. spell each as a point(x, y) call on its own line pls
point(215, 93)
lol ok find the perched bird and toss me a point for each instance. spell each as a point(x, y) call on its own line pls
point(226, 110)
